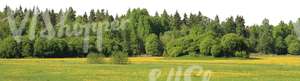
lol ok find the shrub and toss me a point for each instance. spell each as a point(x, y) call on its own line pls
point(39, 47)
point(294, 48)
point(242, 54)
point(194, 54)
point(232, 43)
point(94, 58)
point(27, 47)
point(55, 48)
point(206, 45)
point(50, 48)
point(153, 46)
point(216, 51)
point(119, 58)
point(174, 52)
point(75, 46)
point(290, 39)
point(9, 48)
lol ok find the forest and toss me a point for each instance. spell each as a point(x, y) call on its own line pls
point(47, 34)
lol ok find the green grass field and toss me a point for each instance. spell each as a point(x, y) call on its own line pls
point(263, 68)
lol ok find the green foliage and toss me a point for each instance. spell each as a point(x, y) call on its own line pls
point(282, 30)
point(280, 46)
point(252, 40)
point(119, 58)
point(138, 33)
point(229, 25)
point(206, 45)
point(216, 51)
point(290, 39)
point(173, 44)
point(265, 40)
point(240, 26)
point(175, 21)
point(178, 43)
point(232, 43)
point(94, 58)
point(9, 48)
point(39, 47)
point(75, 46)
point(215, 27)
point(27, 47)
point(175, 52)
point(242, 54)
point(4, 27)
point(294, 48)
point(50, 48)
point(153, 45)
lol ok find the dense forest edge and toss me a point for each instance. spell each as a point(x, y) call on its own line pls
point(137, 33)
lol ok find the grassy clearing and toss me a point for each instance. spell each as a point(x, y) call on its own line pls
point(264, 68)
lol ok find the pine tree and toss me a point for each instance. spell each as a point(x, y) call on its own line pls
point(92, 16)
point(240, 26)
point(229, 25)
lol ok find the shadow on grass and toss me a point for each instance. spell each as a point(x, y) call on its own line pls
point(209, 58)
point(253, 58)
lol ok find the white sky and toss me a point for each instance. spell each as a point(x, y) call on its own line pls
point(254, 11)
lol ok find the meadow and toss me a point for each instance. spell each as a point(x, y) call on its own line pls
point(260, 68)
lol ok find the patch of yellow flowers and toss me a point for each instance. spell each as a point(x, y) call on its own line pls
point(288, 60)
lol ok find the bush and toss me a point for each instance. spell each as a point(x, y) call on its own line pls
point(75, 46)
point(119, 58)
point(294, 48)
point(193, 54)
point(216, 51)
point(39, 47)
point(153, 46)
point(206, 45)
point(55, 48)
point(290, 39)
point(27, 47)
point(232, 43)
point(242, 54)
point(94, 58)
point(50, 48)
point(175, 51)
point(9, 48)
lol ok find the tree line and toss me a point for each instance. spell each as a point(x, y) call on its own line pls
point(138, 33)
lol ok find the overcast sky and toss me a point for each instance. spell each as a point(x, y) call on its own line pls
point(254, 11)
